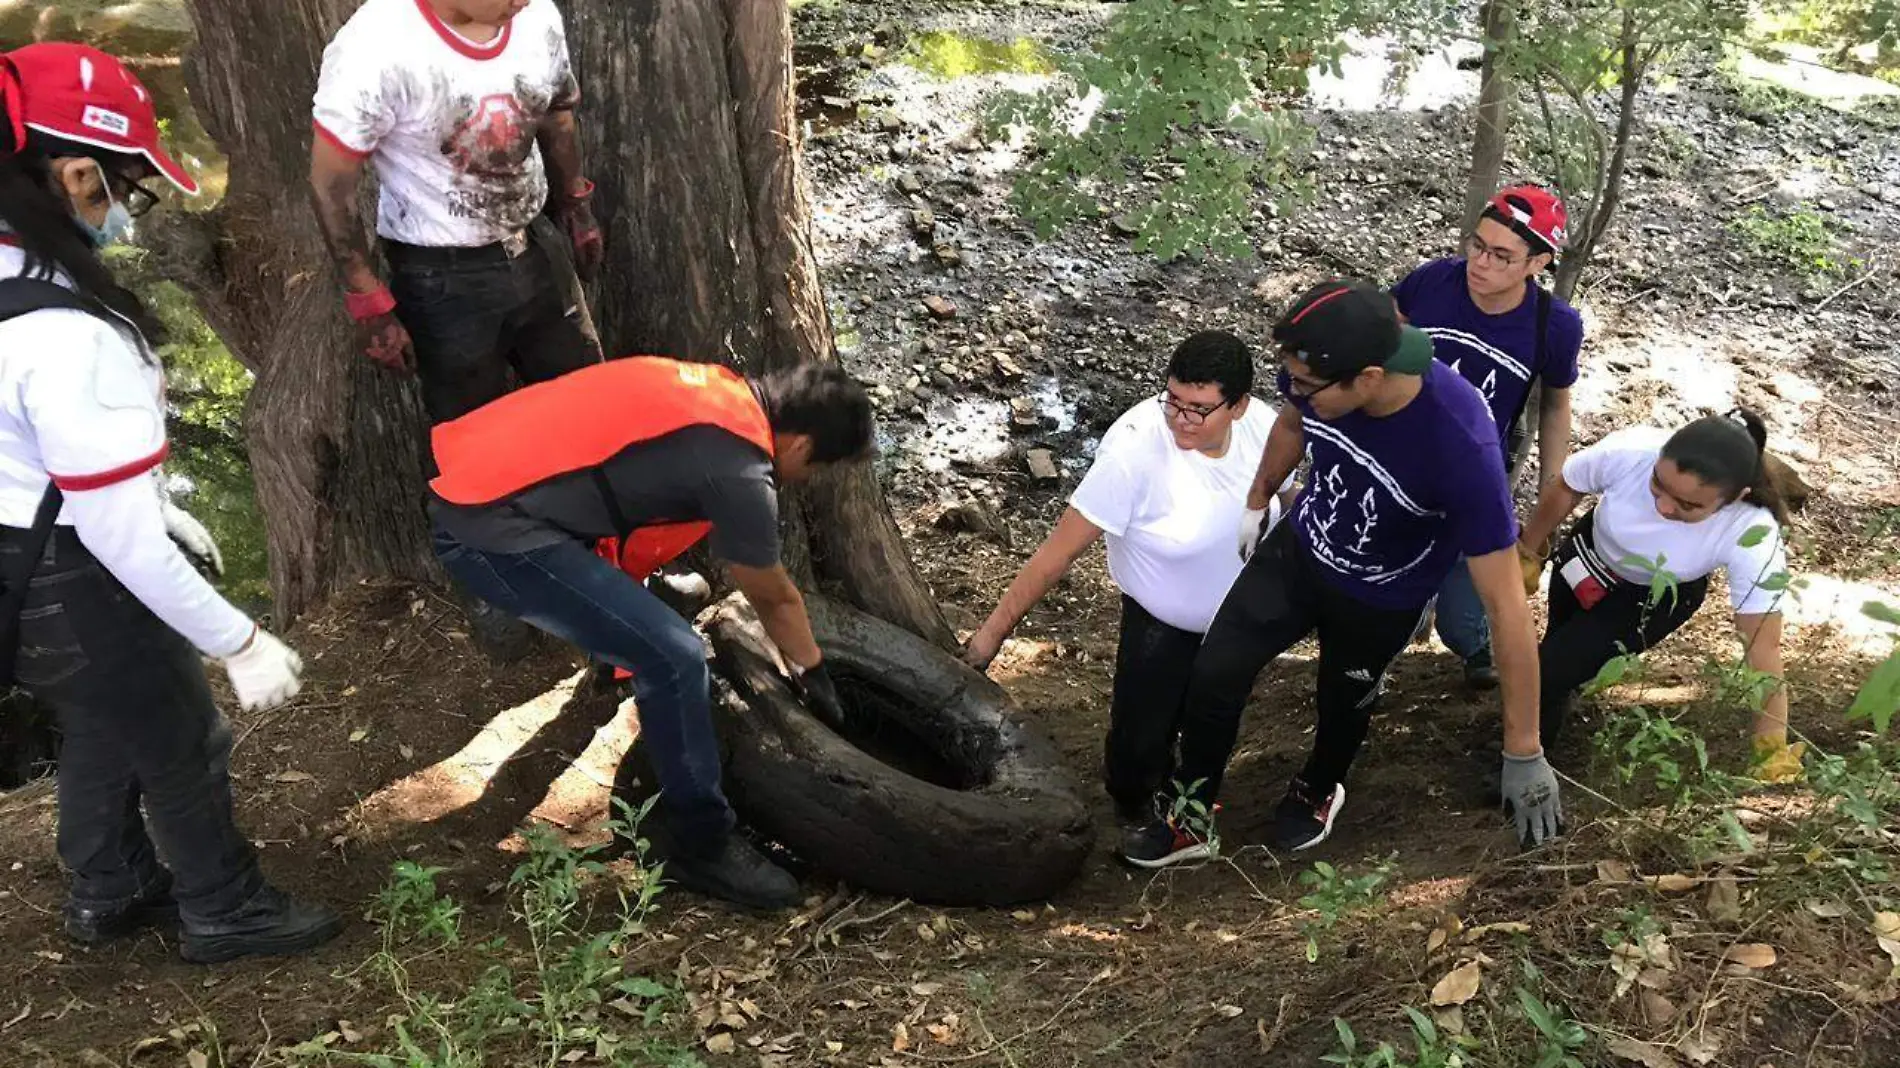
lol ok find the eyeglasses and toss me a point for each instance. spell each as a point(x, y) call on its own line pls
point(1305, 389)
point(1188, 414)
point(138, 199)
point(1503, 257)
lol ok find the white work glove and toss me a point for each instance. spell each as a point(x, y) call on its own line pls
point(265, 673)
point(1253, 525)
point(1530, 792)
point(191, 535)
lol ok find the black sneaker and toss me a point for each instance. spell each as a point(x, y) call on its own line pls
point(1480, 672)
point(270, 924)
point(1161, 843)
point(500, 636)
point(1305, 816)
point(736, 873)
point(91, 926)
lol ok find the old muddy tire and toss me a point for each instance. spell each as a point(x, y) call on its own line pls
point(1001, 824)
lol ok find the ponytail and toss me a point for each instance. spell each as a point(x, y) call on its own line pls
point(1730, 452)
point(43, 225)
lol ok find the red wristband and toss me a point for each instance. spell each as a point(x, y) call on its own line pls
point(363, 306)
point(586, 191)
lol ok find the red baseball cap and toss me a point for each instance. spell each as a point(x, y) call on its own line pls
point(1534, 213)
point(88, 97)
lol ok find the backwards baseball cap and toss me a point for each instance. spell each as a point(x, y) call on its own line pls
point(1534, 214)
point(1340, 328)
point(85, 96)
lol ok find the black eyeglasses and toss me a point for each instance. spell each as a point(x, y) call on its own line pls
point(1305, 390)
point(1190, 414)
point(137, 199)
point(1503, 257)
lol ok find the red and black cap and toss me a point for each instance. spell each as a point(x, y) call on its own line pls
point(87, 97)
point(1534, 214)
point(1340, 328)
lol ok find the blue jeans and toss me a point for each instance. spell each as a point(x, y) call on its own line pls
point(1462, 625)
point(569, 592)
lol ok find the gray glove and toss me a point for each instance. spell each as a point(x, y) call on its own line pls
point(1529, 787)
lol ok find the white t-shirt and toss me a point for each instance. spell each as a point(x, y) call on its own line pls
point(1171, 515)
point(85, 401)
point(450, 125)
point(1634, 539)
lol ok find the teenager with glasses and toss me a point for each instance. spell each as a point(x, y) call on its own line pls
point(1406, 477)
point(1168, 485)
point(1491, 322)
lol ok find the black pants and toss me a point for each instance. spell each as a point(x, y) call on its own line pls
point(1579, 641)
point(139, 726)
point(481, 318)
point(1153, 664)
point(1279, 599)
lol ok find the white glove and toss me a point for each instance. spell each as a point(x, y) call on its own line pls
point(1253, 524)
point(265, 673)
point(191, 535)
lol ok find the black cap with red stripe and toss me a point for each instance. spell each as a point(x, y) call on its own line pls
point(1534, 214)
point(1340, 328)
point(88, 97)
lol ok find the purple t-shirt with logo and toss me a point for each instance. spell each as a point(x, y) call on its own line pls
point(1496, 353)
point(1391, 503)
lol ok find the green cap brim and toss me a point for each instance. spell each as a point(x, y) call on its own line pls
point(1414, 355)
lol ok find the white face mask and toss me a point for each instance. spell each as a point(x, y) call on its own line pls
point(118, 221)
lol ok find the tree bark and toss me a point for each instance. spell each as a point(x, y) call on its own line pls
point(336, 448)
point(1491, 139)
point(690, 122)
point(1635, 68)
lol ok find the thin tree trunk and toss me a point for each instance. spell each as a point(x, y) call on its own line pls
point(335, 447)
point(1491, 140)
point(1603, 211)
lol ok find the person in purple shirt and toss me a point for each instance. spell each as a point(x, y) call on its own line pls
point(1491, 322)
point(1407, 477)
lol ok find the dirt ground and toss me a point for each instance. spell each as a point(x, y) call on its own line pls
point(407, 744)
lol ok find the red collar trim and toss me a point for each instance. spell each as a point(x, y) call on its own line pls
point(462, 44)
point(9, 241)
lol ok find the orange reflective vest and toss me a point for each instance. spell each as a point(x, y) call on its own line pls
point(583, 419)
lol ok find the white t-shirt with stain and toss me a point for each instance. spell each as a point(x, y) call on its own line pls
point(448, 124)
point(1172, 515)
point(1636, 541)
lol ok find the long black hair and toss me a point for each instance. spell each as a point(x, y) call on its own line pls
point(1729, 452)
point(43, 224)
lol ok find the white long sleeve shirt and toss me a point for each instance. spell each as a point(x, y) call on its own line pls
point(82, 405)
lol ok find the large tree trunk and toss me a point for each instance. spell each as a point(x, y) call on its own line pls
point(689, 120)
point(1491, 140)
point(336, 448)
point(689, 124)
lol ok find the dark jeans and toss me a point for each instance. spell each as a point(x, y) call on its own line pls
point(1152, 667)
point(139, 726)
point(576, 596)
point(1579, 641)
point(1279, 599)
point(481, 319)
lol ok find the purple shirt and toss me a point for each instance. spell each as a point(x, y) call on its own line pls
point(1391, 503)
point(1496, 353)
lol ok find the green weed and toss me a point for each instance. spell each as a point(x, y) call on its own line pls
point(1333, 896)
point(1800, 242)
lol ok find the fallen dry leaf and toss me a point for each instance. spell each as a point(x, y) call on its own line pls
point(197, 1059)
point(720, 1043)
point(359, 735)
point(1725, 900)
point(1657, 1010)
point(1673, 883)
point(924, 990)
point(1448, 928)
point(1450, 1019)
point(1700, 1048)
point(1228, 1011)
point(1613, 871)
point(1509, 927)
point(1646, 1054)
point(900, 1038)
point(1458, 986)
point(1751, 955)
point(1887, 934)
point(292, 776)
point(1828, 910)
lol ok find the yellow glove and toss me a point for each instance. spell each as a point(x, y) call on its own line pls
point(1531, 562)
point(1777, 761)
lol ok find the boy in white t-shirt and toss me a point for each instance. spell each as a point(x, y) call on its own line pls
point(1166, 491)
point(465, 109)
point(1686, 504)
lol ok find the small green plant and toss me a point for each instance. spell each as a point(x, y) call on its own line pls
point(1800, 242)
point(1332, 896)
point(1190, 814)
point(1559, 1036)
point(1433, 1049)
point(410, 907)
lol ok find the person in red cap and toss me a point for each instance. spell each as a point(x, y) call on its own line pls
point(110, 616)
point(465, 108)
point(1491, 322)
